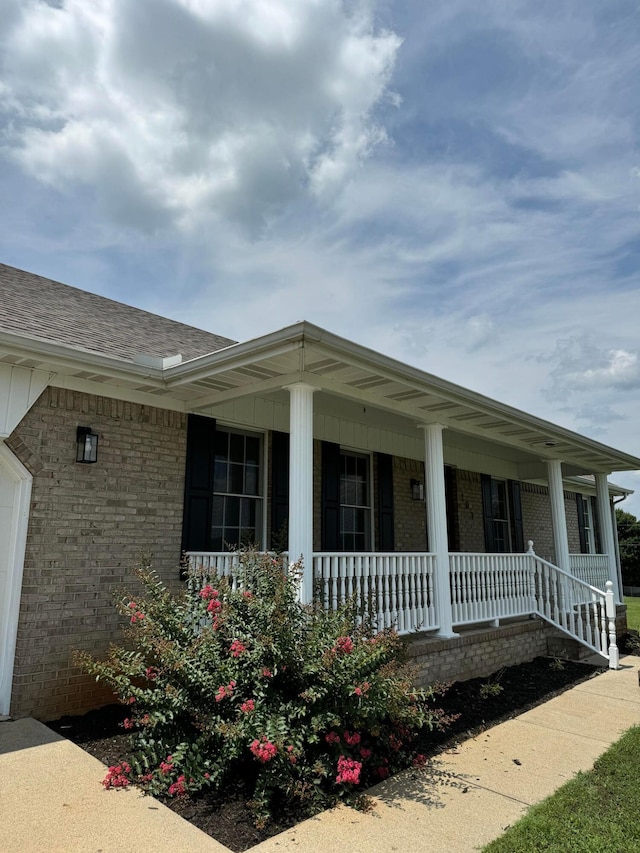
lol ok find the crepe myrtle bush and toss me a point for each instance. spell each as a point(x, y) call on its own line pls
point(235, 679)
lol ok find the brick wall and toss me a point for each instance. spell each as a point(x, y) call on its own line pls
point(470, 514)
point(87, 528)
point(409, 517)
point(536, 520)
point(478, 653)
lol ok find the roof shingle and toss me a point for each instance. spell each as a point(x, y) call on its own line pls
point(45, 309)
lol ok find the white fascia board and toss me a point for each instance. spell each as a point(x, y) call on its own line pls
point(61, 357)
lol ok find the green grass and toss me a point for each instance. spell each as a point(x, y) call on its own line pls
point(597, 812)
point(633, 612)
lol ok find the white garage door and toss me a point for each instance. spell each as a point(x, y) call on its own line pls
point(15, 491)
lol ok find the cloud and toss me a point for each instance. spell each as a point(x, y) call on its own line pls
point(176, 111)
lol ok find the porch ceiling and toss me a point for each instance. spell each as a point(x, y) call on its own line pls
point(341, 368)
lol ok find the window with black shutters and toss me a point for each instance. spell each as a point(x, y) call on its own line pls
point(237, 506)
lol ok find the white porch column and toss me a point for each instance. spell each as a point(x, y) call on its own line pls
point(607, 533)
point(437, 523)
point(558, 515)
point(301, 483)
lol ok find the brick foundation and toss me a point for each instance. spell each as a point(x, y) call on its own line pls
point(479, 652)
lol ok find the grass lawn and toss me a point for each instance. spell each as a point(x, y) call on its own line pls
point(597, 812)
point(633, 612)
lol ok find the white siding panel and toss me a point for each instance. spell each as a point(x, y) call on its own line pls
point(20, 387)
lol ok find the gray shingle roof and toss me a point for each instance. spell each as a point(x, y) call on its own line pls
point(40, 308)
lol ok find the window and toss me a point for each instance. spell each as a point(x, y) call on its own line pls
point(587, 538)
point(237, 509)
point(355, 502)
point(500, 516)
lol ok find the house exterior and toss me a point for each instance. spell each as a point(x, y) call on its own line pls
point(450, 516)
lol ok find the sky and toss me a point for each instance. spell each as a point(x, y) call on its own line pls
point(455, 184)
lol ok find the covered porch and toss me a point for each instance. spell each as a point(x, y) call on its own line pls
point(319, 397)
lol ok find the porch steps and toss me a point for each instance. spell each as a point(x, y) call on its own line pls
point(565, 648)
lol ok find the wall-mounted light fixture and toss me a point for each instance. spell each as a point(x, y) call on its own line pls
point(87, 445)
point(417, 490)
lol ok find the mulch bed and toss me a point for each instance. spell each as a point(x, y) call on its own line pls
point(225, 816)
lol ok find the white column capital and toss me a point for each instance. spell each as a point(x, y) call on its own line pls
point(433, 427)
point(300, 386)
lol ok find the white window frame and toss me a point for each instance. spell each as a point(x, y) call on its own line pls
point(356, 451)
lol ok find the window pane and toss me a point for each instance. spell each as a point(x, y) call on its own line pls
point(221, 445)
point(217, 514)
point(217, 539)
point(220, 476)
point(248, 512)
point(236, 479)
point(232, 512)
point(236, 447)
point(231, 537)
point(253, 450)
point(251, 480)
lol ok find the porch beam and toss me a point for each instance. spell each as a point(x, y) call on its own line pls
point(300, 543)
point(607, 533)
point(437, 524)
point(558, 515)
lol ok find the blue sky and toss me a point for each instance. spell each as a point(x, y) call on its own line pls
point(454, 184)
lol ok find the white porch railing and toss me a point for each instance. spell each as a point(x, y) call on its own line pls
point(392, 589)
point(578, 609)
point(485, 587)
point(591, 568)
point(397, 590)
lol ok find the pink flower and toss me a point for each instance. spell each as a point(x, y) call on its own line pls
point(214, 605)
point(292, 757)
point(365, 753)
point(267, 672)
point(362, 688)
point(131, 700)
point(177, 787)
point(394, 743)
point(332, 737)
point(248, 706)
point(344, 645)
point(351, 739)
point(263, 749)
point(420, 760)
point(152, 672)
point(127, 723)
point(166, 766)
point(248, 595)
point(225, 691)
point(117, 776)
point(237, 648)
point(207, 592)
point(348, 771)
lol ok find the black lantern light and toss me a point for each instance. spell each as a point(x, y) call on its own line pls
point(87, 441)
point(417, 490)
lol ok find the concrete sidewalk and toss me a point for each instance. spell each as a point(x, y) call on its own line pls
point(51, 800)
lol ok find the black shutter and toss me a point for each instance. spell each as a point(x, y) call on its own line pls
point(596, 525)
point(330, 496)
point(279, 489)
point(451, 502)
point(198, 486)
point(384, 464)
point(583, 538)
point(487, 512)
point(517, 534)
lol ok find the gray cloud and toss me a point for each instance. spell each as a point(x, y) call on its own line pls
point(198, 108)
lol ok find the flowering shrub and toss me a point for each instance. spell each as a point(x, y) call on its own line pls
point(236, 680)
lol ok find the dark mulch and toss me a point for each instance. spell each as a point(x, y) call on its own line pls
point(225, 816)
